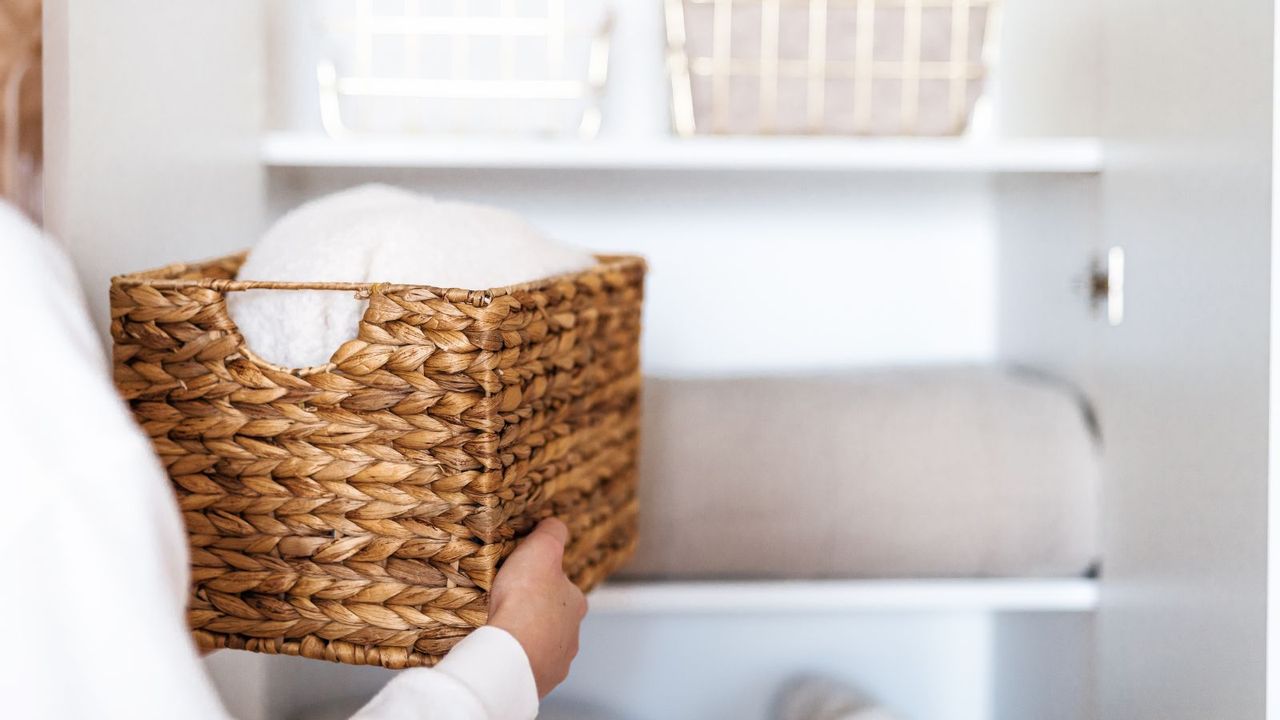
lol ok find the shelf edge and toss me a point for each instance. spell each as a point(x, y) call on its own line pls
point(1015, 595)
point(1049, 155)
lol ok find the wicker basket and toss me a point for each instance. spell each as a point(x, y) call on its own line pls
point(358, 511)
point(832, 67)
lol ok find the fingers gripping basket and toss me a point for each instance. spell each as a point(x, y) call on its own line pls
point(358, 511)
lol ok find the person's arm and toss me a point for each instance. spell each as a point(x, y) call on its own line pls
point(499, 671)
point(99, 556)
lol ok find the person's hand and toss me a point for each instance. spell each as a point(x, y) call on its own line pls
point(534, 600)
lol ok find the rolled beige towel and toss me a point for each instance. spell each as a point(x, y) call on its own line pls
point(951, 472)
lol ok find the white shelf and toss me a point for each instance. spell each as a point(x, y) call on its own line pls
point(1016, 595)
point(1042, 155)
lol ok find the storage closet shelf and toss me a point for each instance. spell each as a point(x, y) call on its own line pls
point(1001, 595)
point(1029, 155)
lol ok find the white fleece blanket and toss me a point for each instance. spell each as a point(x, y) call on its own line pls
point(376, 233)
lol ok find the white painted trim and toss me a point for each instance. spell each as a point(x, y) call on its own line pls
point(1272, 700)
point(1044, 155)
point(1018, 595)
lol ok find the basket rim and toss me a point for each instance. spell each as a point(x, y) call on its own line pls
point(160, 279)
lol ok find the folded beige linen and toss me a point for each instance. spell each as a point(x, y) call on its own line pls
point(921, 472)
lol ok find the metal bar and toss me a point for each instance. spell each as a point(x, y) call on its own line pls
point(682, 116)
point(722, 24)
point(597, 76)
point(864, 69)
point(911, 39)
point(768, 93)
point(815, 97)
point(958, 90)
point(330, 104)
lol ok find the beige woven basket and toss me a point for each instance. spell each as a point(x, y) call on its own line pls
point(358, 511)
point(830, 67)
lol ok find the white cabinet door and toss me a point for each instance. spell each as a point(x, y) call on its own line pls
point(1183, 382)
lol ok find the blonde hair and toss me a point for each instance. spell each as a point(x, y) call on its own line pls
point(21, 104)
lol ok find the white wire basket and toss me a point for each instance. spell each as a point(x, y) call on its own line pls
point(488, 67)
point(837, 67)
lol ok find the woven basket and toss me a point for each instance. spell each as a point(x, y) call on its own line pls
point(828, 67)
point(357, 511)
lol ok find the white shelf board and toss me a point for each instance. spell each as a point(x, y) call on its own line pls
point(1005, 595)
point(1039, 155)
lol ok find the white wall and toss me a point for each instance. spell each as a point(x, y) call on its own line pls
point(1051, 63)
point(152, 115)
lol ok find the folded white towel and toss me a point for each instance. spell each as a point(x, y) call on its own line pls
point(376, 233)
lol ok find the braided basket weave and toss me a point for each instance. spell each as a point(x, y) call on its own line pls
point(357, 511)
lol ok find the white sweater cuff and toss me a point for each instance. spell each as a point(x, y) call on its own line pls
point(491, 662)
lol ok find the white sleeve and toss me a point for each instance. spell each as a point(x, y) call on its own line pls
point(96, 565)
point(96, 559)
point(485, 677)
